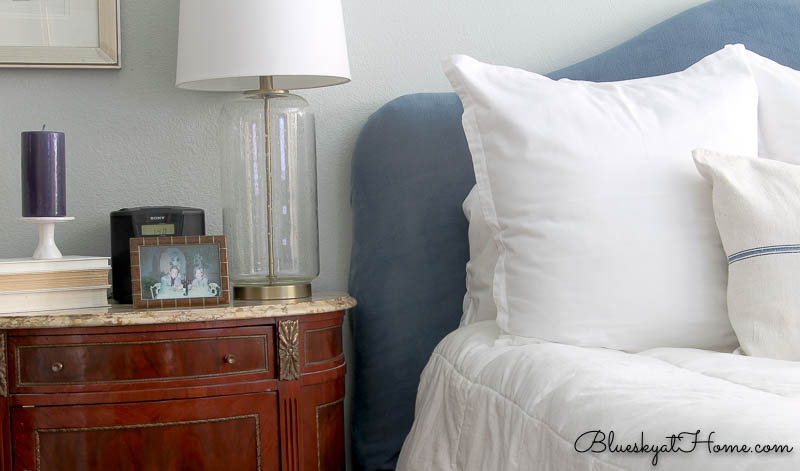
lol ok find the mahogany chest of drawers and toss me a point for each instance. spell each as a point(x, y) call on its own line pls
point(244, 387)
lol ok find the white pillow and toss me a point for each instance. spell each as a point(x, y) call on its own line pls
point(757, 208)
point(478, 302)
point(778, 124)
point(778, 109)
point(604, 230)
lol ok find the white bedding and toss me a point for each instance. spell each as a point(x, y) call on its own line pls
point(486, 404)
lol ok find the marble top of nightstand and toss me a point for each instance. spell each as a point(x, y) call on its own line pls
point(120, 315)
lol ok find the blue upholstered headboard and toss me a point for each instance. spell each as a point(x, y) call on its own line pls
point(411, 172)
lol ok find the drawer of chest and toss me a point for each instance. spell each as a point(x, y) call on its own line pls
point(140, 360)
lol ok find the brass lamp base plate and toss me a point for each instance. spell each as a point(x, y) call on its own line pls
point(261, 293)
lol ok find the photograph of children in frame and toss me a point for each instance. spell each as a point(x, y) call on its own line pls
point(180, 271)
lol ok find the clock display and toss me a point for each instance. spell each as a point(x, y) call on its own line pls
point(158, 229)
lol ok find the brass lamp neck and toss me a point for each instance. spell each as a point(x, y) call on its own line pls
point(265, 87)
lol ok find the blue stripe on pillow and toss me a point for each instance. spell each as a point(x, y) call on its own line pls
point(766, 250)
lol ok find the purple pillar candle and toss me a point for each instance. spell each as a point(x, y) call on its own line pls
point(43, 174)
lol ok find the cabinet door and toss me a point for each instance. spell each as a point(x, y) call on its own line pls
point(218, 433)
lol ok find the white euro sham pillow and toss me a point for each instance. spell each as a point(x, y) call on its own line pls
point(604, 231)
point(778, 124)
point(778, 108)
point(757, 209)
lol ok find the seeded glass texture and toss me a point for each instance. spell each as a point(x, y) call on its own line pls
point(244, 174)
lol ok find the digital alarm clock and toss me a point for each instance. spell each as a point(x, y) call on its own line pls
point(146, 221)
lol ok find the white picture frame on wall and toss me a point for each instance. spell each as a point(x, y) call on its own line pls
point(65, 34)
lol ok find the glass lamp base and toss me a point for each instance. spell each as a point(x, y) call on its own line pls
point(260, 293)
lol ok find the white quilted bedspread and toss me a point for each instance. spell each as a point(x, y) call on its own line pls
point(487, 404)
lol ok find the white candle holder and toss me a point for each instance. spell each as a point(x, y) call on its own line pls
point(47, 250)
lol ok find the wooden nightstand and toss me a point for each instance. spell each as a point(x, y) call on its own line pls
point(252, 386)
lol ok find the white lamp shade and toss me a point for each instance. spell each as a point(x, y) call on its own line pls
point(226, 45)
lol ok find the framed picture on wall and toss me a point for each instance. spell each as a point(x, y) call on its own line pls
point(179, 271)
point(60, 34)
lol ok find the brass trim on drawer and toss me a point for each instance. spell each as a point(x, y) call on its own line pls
point(20, 383)
point(289, 349)
point(37, 444)
point(327, 360)
point(3, 365)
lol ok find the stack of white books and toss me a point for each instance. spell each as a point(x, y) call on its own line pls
point(72, 282)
